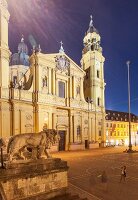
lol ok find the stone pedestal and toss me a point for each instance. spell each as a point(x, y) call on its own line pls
point(32, 179)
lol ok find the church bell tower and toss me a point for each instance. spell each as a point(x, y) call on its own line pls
point(93, 64)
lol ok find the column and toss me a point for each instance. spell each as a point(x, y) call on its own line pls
point(49, 81)
point(70, 87)
point(95, 127)
point(67, 94)
point(54, 82)
point(70, 127)
point(50, 120)
point(54, 120)
point(72, 137)
point(81, 89)
point(73, 87)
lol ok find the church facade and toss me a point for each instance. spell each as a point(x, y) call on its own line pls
point(51, 91)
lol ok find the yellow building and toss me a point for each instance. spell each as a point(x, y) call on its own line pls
point(117, 128)
point(50, 91)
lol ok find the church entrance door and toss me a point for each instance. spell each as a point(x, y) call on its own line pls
point(62, 140)
point(86, 144)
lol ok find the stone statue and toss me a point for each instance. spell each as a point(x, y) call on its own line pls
point(34, 144)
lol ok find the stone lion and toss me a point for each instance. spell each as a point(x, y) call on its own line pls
point(31, 142)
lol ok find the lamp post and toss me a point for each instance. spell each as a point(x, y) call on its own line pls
point(129, 115)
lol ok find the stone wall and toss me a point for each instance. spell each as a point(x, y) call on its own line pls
point(28, 179)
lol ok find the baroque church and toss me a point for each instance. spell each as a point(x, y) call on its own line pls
point(50, 91)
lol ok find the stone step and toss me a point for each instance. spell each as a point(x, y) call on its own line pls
point(68, 196)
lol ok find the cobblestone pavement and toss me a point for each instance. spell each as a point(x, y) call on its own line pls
point(86, 166)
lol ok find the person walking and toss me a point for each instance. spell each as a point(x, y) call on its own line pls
point(104, 180)
point(123, 174)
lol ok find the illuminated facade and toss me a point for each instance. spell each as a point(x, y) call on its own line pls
point(51, 91)
point(117, 128)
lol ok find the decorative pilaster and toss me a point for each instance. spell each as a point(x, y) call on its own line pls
point(49, 81)
point(70, 87)
point(54, 120)
point(81, 92)
point(73, 88)
point(54, 82)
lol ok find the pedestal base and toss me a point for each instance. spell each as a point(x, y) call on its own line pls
point(29, 179)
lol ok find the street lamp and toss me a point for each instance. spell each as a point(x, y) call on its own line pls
point(129, 115)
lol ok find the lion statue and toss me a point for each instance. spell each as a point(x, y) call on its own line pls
point(31, 142)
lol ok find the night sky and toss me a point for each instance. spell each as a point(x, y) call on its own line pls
point(50, 21)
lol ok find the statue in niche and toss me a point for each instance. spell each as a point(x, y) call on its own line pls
point(78, 90)
point(44, 81)
point(32, 144)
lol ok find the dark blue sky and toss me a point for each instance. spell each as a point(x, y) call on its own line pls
point(50, 21)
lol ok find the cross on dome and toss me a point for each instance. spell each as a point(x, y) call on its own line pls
point(61, 50)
